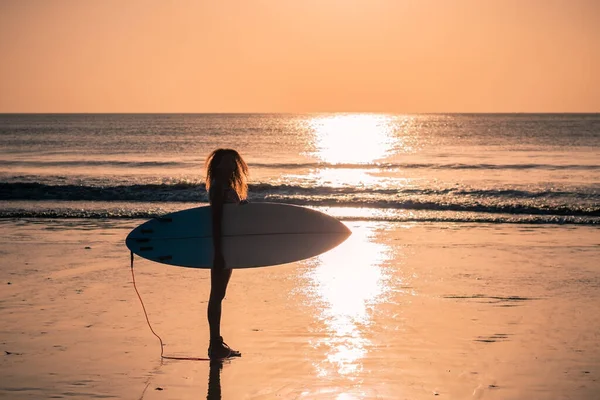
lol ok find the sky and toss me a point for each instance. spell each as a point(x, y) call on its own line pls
point(397, 56)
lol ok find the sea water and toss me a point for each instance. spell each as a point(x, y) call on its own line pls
point(495, 168)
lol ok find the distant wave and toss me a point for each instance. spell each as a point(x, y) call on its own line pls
point(296, 166)
point(437, 166)
point(92, 163)
point(497, 201)
point(35, 190)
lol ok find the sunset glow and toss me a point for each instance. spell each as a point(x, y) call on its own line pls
point(420, 220)
point(394, 56)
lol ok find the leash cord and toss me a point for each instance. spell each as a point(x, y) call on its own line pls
point(152, 330)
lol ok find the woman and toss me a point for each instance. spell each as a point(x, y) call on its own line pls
point(226, 174)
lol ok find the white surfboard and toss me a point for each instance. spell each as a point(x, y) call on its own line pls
point(254, 235)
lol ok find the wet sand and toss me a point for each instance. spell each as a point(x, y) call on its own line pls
point(399, 311)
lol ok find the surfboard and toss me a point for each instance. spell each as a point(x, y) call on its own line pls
point(253, 235)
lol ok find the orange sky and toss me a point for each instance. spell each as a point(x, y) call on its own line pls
point(300, 55)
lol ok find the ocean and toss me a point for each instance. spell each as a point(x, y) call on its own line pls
point(491, 168)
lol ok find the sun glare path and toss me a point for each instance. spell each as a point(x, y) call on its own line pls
point(348, 281)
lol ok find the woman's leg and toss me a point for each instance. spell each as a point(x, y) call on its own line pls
point(218, 281)
point(219, 278)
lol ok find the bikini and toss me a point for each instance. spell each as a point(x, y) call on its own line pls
point(229, 195)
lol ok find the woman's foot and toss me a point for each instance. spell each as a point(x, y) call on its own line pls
point(219, 350)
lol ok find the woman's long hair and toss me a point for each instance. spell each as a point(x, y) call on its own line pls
point(237, 180)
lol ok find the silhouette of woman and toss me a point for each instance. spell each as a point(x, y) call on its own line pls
point(226, 182)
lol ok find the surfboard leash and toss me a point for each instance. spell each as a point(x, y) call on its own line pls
point(162, 356)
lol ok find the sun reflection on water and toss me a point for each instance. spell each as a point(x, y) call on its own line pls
point(346, 283)
point(356, 138)
point(355, 150)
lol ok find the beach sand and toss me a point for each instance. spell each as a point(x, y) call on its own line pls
point(399, 311)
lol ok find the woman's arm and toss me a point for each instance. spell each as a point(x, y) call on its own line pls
point(216, 205)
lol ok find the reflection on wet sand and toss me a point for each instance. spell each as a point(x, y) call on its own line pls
point(344, 285)
point(214, 380)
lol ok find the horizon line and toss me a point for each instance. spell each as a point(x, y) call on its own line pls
point(306, 112)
